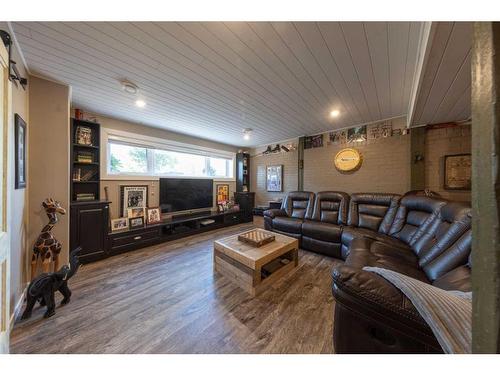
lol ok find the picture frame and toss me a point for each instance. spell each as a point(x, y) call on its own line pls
point(313, 141)
point(356, 134)
point(222, 193)
point(83, 135)
point(133, 196)
point(153, 215)
point(119, 224)
point(136, 212)
point(20, 152)
point(457, 172)
point(136, 222)
point(274, 178)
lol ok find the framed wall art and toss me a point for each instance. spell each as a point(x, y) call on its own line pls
point(313, 141)
point(133, 197)
point(274, 178)
point(356, 134)
point(457, 172)
point(20, 150)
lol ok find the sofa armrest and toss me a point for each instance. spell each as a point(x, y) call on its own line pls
point(373, 316)
point(274, 212)
point(353, 286)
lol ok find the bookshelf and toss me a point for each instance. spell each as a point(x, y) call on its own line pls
point(85, 161)
point(242, 172)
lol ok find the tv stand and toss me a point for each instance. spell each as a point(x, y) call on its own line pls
point(193, 215)
point(168, 229)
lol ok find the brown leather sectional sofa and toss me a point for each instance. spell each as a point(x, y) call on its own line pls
point(423, 237)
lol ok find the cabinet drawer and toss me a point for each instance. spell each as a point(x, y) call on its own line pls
point(138, 237)
point(233, 218)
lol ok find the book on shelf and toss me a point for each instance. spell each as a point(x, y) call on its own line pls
point(84, 157)
point(76, 174)
point(85, 197)
point(88, 175)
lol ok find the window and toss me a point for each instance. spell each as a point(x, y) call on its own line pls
point(127, 158)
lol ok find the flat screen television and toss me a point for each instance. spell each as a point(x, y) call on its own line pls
point(183, 194)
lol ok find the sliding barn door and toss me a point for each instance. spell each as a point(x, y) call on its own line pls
point(4, 238)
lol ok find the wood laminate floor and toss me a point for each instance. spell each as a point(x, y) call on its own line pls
point(167, 299)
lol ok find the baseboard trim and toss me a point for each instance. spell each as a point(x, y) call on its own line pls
point(17, 309)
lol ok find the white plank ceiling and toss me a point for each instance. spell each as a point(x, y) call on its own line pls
point(445, 93)
point(214, 79)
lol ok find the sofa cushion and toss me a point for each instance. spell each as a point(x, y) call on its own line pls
point(453, 220)
point(350, 233)
point(457, 279)
point(330, 207)
point(456, 255)
point(287, 224)
point(321, 231)
point(373, 211)
point(298, 204)
point(369, 252)
point(415, 214)
point(331, 249)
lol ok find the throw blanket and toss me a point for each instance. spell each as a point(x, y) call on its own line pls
point(448, 313)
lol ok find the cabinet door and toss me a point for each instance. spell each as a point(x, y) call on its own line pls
point(89, 227)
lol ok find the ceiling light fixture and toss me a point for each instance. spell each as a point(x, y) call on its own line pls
point(129, 87)
point(140, 103)
point(335, 113)
point(246, 133)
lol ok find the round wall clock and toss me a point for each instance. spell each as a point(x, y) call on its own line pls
point(347, 160)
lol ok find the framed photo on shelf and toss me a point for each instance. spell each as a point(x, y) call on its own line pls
point(20, 150)
point(133, 197)
point(153, 215)
point(136, 222)
point(136, 212)
point(457, 172)
point(222, 193)
point(274, 178)
point(119, 224)
point(83, 135)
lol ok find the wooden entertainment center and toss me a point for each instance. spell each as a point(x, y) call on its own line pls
point(90, 218)
point(100, 243)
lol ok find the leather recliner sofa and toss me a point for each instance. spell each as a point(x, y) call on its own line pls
point(288, 220)
point(321, 229)
point(426, 238)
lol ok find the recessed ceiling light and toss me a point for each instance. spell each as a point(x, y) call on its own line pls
point(335, 113)
point(140, 103)
point(246, 133)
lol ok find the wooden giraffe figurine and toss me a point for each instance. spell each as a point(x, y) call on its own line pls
point(47, 247)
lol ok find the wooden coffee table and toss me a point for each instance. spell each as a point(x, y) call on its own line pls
point(254, 269)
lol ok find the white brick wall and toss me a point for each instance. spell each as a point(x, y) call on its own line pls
point(384, 167)
point(441, 142)
point(258, 166)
